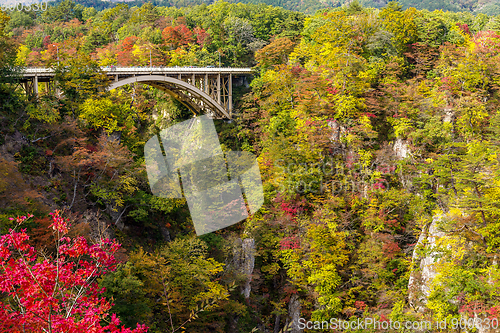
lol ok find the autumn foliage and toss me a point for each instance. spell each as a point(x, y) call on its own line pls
point(56, 293)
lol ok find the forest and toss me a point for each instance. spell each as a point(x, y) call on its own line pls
point(376, 132)
point(489, 7)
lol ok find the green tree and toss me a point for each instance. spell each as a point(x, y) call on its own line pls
point(177, 283)
point(79, 78)
point(65, 11)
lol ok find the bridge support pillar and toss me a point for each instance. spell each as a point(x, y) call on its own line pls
point(230, 95)
point(218, 89)
point(35, 86)
point(206, 84)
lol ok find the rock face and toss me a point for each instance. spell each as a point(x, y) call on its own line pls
point(12, 144)
point(418, 284)
point(425, 272)
point(294, 313)
point(98, 226)
point(400, 148)
point(338, 131)
point(244, 261)
point(165, 233)
point(448, 115)
point(116, 213)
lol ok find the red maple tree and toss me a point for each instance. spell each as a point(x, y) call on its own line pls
point(56, 293)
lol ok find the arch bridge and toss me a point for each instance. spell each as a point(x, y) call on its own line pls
point(206, 90)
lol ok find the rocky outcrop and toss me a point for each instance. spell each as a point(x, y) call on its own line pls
point(116, 213)
point(400, 148)
point(449, 115)
point(13, 144)
point(99, 229)
point(338, 131)
point(294, 308)
point(244, 261)
point(165, 233)
point(424, 272)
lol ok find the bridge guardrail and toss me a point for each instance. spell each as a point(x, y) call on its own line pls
point(173, 70)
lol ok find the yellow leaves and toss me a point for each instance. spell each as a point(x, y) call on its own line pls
point(300, 51)
point(328, 242)
point(493, 193)
point(107, 57)
point(142, 53)
point(401, 24)
point(472, 116)
point(464, 39)
point(402, 126)
point(329, 49)
point(280, 83)
point(128, 184)
point(337, 29)
point(4, 20)
point(182, 277)
point(22, 53)
point(372, 72)
point(455, 211)
point(112, 113)
point(346, 106)
point(100, 113)
point(46, 110)
point(183, 57)
point(365, 157)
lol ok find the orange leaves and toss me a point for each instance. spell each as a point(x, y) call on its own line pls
point(128, 43)
point(275, 53)
point(180, 35)
point(177, 36)
point(202, 37)
point(13, 188)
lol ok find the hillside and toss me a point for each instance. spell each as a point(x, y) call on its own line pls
point(376, 133)
point(488, 7)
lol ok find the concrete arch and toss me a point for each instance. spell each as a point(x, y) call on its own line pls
point(152, 79)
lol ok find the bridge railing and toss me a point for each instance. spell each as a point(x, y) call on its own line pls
point(137, 69)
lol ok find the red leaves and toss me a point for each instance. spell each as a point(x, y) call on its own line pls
point(378, 185)
point(59, 224)
point(332, 90)
point(20, 219)
point(465, 28)
point(390, 249)
point(360, 305)
point(487, 41)
point(124, 57)
point(178, 36)
point(46, 42)
point(474, 308)
point(202, 37)
point(288, 243)
point(128, 43)
point(289, 209)
point(59, 292)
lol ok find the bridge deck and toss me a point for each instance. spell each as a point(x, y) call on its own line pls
point(42, 71)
